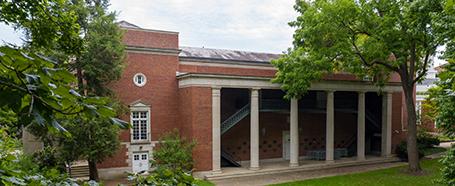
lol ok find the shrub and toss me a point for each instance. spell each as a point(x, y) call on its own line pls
point(426, 140)
point(174, 152)
point(402, 151)
point(163, 176)
point(172, 161)
point(448, 168)
point(47, 158)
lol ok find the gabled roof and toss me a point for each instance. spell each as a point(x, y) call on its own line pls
point(226, 55)
point(126, 24)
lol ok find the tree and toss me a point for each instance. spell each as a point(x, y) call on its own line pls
point(442, 100)
point(99, 62)
point(367, 38)
point(41, 90)
point(33, 86)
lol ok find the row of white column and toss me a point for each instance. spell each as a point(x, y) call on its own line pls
point(294, 129)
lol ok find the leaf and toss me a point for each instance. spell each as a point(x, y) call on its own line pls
point(122, 124)
point(73, 92)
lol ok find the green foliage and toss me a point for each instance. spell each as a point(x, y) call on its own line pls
point(36, 90)
point(102, 58)
point(366, 38)
point(172, 161)
point(8, 120)
point(163, 176)
point(46, 22)
point(369, 39)
point(402, 151)
point(174, 152)
point(91, 139)
point(442, 100)
point(426, 140)
point(448, 169)
point(19, 169)
point(47, 158)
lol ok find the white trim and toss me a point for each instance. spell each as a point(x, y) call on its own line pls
point(144, 81)
point(139, 107)
point(231, 81)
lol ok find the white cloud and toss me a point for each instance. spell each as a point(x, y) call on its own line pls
point(254, 25)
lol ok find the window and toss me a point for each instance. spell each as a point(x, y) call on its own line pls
point(139, 79)
point(140, 125)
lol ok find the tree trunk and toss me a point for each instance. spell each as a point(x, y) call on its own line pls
point(80, 79)
point(413, 154)
point(93, 171)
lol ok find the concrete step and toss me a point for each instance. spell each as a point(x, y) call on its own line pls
point(303, 168)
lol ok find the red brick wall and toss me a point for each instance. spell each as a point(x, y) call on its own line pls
point(398, 134)
point(160, 91)
point(117, 160)
point(151, 39)
point(261, 72)
point(271, 126)
point(196, 123)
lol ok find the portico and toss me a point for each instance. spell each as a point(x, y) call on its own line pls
point(254, 87)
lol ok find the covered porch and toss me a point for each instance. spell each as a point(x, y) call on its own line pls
point(297, 147)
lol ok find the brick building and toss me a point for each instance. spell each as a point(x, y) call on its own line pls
point(225, 101)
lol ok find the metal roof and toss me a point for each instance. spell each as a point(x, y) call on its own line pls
point(228, 55)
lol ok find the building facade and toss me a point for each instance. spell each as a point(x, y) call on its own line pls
point(225, 100)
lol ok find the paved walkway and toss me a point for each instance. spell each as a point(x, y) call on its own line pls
point(287, 177)
point(294, 176)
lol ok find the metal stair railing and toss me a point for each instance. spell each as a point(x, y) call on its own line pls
point(228, 157)
point(235, 118)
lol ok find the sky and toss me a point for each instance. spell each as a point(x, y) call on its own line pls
point(250, 25)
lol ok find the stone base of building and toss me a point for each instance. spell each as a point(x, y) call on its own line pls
point(113, 173)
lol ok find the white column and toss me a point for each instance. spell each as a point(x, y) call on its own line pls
point(254, 130)
point(330, 127)
point(294, 132)
point(216, 130)
point(386, 146)
point(361, 126)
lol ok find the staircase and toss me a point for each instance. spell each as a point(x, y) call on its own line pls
point(227, 160)
point(79, 170)
point(235, 118)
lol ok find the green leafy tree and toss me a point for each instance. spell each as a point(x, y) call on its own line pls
point(367, 38)
point(99, 63)
point(43, 91)
point(442, 100)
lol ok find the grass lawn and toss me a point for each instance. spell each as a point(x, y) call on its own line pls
point(204, 183)
point(391, 176)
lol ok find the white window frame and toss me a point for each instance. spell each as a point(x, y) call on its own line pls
point(143, 82)
point(140, 108)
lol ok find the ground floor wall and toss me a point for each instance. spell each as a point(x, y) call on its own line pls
point(195, 123)
point(273, 126)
